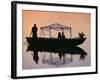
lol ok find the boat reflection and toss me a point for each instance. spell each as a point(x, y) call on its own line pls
point(61, 55)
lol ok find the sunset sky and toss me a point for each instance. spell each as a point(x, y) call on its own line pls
point(80, 22)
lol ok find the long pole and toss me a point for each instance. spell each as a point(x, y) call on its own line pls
point(70, 33)
point(50, 32)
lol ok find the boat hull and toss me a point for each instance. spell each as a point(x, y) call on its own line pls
point(54, 42)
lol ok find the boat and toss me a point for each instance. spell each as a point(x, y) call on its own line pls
point(54, 42)
point(51, 42)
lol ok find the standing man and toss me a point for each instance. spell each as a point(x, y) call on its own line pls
point(34, 31)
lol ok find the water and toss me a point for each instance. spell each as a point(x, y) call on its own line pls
point(78, 57)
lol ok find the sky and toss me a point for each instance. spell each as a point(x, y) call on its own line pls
point(79, 22)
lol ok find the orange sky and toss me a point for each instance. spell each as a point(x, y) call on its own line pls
point(80, 22)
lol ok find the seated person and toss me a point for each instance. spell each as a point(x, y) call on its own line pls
point(59, 35)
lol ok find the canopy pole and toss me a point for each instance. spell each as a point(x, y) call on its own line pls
point(70, 33)
point(50, 32)
point(42, 32)
point(63, 30)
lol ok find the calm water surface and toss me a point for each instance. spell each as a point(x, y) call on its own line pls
point(56, 60)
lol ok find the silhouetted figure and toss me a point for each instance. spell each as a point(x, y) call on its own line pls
point(34, 31)
point(82, 56)
point(63, 36)
point(81, 35)
point(60, 55)
point(59, 35)
point(35, 56)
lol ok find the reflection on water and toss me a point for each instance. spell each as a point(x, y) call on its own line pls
point(57, 56)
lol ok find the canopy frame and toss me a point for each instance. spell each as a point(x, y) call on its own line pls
point(57, 27)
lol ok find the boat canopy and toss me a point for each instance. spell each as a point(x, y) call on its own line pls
point(57, 27)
